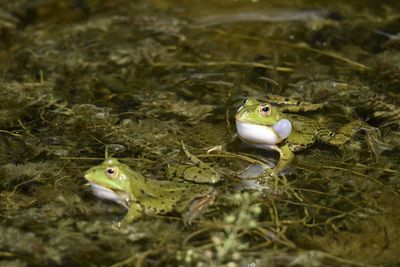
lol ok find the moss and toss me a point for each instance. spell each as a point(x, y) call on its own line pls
point(80, 77)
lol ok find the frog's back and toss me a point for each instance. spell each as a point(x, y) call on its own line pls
point(304, 132)
point(164, 196)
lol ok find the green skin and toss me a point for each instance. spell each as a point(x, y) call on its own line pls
point(305, 131)
point(147, 196)
point(198, 171)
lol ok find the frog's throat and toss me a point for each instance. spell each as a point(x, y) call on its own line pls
point(120, 197)
point(262, 134)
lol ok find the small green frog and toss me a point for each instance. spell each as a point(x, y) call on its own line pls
point(266, 126)
point(197, 171)
point(117, 182)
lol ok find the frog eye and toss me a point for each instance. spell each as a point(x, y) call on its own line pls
point(112, 172)
point(265, 109)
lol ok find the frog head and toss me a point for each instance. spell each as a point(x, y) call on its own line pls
point(110, 180)
point(261, 123)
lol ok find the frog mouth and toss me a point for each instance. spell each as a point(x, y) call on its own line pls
point(120, 197)
point(263, 134)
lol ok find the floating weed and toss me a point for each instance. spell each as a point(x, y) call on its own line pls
point(80, 76)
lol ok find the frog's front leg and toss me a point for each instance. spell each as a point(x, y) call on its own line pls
point(135, 211)
point(285, 157)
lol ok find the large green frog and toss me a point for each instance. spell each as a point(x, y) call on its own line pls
point(266, 126)
point(117, 182)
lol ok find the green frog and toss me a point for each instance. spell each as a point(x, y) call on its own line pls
point(272, 127)
point(117, 182)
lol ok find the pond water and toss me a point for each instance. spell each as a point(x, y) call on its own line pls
point(146, 81)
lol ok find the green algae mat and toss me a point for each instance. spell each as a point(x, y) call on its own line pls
point(153, 89)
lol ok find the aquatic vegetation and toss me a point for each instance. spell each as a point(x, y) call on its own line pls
point(18, 100)
point(138, 79)
point(227, 237)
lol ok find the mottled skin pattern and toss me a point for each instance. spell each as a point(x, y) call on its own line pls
point(148, 196)
point(305, 131)
point(197, 171)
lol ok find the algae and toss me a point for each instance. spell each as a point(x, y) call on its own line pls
point(138, 77)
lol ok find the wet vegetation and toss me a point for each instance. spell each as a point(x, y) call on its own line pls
point(139, 77)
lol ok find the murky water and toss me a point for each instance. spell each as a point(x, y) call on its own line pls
point(140, 77)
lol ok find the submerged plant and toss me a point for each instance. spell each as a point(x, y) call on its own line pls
point(140, 78)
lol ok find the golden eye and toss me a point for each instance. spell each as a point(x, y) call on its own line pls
point(112, 172)
point(265, 109)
